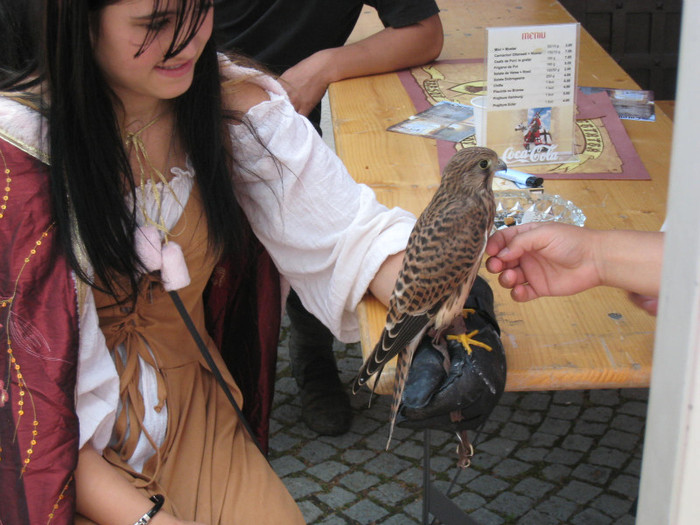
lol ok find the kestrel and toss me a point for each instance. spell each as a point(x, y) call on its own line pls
point(442, 258)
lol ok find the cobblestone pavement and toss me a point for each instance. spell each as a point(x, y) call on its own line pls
point(569, 457)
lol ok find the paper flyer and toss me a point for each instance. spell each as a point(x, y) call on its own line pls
point(529, 112)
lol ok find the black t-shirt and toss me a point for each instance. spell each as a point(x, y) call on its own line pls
point(281, 33)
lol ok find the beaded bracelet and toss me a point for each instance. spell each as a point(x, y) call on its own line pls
point(158, 501)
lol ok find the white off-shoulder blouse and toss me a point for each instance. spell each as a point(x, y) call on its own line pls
point(327, 234)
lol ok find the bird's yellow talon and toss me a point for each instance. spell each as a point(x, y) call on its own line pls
point(467, 341)
point(466, 312)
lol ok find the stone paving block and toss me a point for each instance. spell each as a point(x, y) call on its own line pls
point(409, 450)
point(556, 472)
point(567, 412)
point(612, 506)
point(564, 457)
point(531, 453)
point(498, 446)
point(413, 475)
point(579, 492)
point(287, 414)
point(640, 394)
point(390, 493)
point(591, 517)
point(347, 440)
point(501, 414)
point(510, 505)
point(634, 467)
point(286, 385)
point(592, 473)
point(316, 451)
point(328, 470)
point(568, 397)
point(469, 501)
point(539, 439)
point(386, 465)
point(310, 511)
point(590, 429)
point(634, 408)
point(608, 457)
point(285, 465)
point(626, 520)
point(366, 511)
point(509, 398)
point(597, 414)
point(533, 487)
point(415, 510)
point(357, 456)
point(282, 442)
point(398, 519)
point(620, 440)
point(537, 518)
point(482, 460)
point(604, 397)
point(334, 520)
point(558, 427)
point(441, 464)
point(511, 468)
point(487, 485)
point(515, 431)
point(301, 486)
point(486, 517)
point(337, 497)
point(535, 401)
point(628, 423)
point(626, 485)
point(577, 442)
point(377, 441)
point(526, 417)
point(359, 481)
point(558, 508)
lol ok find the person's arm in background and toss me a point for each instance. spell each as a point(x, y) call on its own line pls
point(551, 259)
point(387, 50)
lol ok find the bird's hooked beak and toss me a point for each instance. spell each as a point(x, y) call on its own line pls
point(501, 166)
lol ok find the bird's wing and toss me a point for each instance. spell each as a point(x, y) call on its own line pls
point(438, 259)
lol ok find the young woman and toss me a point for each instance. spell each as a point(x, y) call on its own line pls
point(134, 161)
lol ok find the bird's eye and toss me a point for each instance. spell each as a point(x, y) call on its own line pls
point(484, 164)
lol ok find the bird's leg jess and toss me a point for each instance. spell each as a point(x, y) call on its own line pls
point(465, 450)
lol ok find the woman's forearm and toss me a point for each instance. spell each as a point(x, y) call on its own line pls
point(106, 497)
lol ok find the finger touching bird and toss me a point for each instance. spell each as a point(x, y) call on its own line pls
point(442, 258)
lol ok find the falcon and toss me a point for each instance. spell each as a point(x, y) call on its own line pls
point(442, 258)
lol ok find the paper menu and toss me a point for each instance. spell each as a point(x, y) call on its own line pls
point(530, 107)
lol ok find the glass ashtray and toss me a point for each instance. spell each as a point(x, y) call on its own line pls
point(523, 206)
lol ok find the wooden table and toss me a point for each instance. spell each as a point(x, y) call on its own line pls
point(596, 339)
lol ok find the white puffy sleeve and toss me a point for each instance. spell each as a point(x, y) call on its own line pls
point(327, 234)
point(97, 386)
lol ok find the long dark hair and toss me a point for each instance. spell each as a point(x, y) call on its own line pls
point(19, 44)
point(90, 171)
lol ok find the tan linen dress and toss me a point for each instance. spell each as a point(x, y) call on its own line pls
point(207, 468)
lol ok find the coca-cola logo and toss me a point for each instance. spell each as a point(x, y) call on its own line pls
point(536, 154)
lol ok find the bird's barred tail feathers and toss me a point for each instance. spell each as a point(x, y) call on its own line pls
point(403, 365)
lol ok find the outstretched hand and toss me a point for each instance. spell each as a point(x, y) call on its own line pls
point(544, 259)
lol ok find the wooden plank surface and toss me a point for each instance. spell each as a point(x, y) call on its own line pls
point(596, 339)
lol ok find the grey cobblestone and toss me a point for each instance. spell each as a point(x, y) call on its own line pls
point(559, 458)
